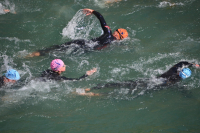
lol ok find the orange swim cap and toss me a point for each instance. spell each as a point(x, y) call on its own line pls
point(122, 33)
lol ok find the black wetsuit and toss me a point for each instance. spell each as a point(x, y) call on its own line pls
point(172, 75)
point(101, 41)
point(169, 77)
point(52, 75)
point(1, 81)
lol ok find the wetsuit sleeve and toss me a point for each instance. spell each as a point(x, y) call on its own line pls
point(183, 63)
point(104, 26)
point(74, 79)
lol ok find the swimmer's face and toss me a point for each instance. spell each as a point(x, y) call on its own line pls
point(63, 68)
point(6, 80)
point(116, 35)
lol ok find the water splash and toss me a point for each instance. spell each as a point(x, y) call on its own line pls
point(7, 63)
point(81, 27)
point(7, 5)
point(15, 39)
point(167, 4)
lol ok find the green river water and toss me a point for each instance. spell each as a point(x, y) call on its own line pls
point(161, 34)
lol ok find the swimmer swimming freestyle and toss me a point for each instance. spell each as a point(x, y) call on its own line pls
point(105, 39)
point(176, 73)
point(10, 77)
point(58, 67)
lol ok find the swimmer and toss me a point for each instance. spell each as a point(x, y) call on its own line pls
point(176, 73)
point(101, 41)
point(10, 77)
point(58, 67)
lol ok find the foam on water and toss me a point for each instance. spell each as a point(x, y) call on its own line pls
point(37, 91)
point(7, 63)
point(166, 4)
point(81, 26)
point(15, 39)
point(140, 65)
point(7, 5)
point(35, 101)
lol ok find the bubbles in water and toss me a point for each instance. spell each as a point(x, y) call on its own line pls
point(7, 62)
point(166, 3)
point(7, 5)
point(81, 26)
point(15, 39)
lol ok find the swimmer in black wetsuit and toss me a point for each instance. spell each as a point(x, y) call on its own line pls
point(173, 75)
point(57, 67)
point(10, 77)
point(101, 41)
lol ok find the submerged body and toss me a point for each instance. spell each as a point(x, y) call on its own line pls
point(100, 42)
point(52, 75)
point(168, 78)
point(58, 67)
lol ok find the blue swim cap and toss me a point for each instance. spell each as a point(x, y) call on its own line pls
point(185, 73)
point(12, 74)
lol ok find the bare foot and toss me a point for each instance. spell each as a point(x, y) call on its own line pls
point(87, 89)
point(111, 1)
point(6, 10)
point(33, 54)
point(89, 94)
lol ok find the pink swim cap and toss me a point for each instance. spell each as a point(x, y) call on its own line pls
point(57, 64)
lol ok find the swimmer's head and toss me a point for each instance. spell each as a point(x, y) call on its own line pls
point(12, 75)
point(120, 34)
point(185, 73)
point(57, 65)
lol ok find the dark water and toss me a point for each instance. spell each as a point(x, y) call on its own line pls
point(161, 33)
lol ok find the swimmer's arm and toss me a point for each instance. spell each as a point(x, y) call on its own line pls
point(196, 65)
point(104, 26)
point(88, 73)
point(74, 79)
point(185, 63)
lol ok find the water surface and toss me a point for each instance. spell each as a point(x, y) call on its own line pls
point(161, 33)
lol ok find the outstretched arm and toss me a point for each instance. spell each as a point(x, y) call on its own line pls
point(88, 73)
point(196, 65)
point(185, 63)
point(104, 26)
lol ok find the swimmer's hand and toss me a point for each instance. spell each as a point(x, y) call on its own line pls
point(33, 54)
point(197, 65)
point(87, 11)
point(90, 72)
